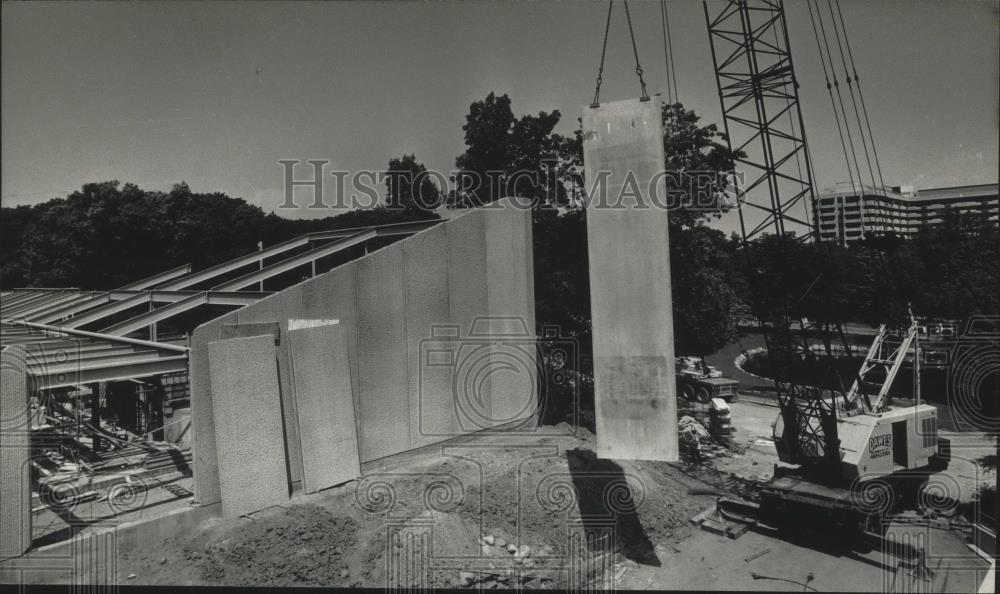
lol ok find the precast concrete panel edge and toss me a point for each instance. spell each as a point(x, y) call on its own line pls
point(15, 452)
point(279, 308)
point(432, 408)
point(204, 454)
point(252, 471)
point(383, 382)
point(326, 416)
point(514, 391)
point(468, 301)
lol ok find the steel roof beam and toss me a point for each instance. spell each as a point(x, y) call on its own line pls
point(296, 261)
point(41, 367)
point(44, 357)
point(98, 336)
point(73, 309)
point(29, 301)
point(215, 297)
point(53, 305)
point(108, 371)
point(234, 264)
point(158, 278)
point(157, 315)
point(407, 228)
point(110, 309)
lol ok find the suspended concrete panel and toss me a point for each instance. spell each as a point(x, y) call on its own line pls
point(635, 394)
point(248, 428)
point(325, 403)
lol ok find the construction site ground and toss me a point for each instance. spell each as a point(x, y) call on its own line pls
point(420, 520)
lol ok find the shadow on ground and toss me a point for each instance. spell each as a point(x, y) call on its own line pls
point(607, 508)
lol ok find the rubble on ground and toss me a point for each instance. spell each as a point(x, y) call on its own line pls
point(697, 443)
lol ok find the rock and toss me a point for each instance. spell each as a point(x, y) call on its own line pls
point(488, 539)
point(487, 549)
point(512, 549)
point(466, 578)
point(131, 576)
point(306, 536)
point(344, 573)
point(163, 560)
point(524, 551)
point(501, 542)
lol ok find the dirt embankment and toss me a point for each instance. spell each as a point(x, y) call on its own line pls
point(497, 512)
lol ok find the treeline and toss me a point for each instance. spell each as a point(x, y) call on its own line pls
point(107, 235)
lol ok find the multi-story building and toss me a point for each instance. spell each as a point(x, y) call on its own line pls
point(846, 213)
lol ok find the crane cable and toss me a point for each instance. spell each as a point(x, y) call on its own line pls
point(880, 259)
point(861, 97)
point(829, 90)
point(840, 100)
point(850, 88)
point(604, 49)
point(850, 85)
point(668, 54)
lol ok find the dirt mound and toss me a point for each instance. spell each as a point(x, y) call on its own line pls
point(570, 517)
point(306, 545)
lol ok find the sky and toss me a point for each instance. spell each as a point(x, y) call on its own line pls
point(216, 93)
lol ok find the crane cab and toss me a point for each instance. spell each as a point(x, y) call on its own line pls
point(896, 440)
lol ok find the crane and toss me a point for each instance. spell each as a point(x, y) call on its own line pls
point(857, 456)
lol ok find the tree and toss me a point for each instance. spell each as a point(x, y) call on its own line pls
point(409, 187)
point(508, 156)
point(706, 287)
point(700, 164)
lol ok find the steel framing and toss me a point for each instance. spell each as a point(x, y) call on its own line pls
point(63, 355)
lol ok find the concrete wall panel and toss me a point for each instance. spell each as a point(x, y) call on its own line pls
point(325, 404)
point(511, 307)
point(279, 308)
point(334, 295)
point(249, 434)
point(432, 411)
point(15, 442)
point(385, 303)
point(203, 447)
point(630, 284)
point(469, 304)
point(383, 383)
point(251, 329)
